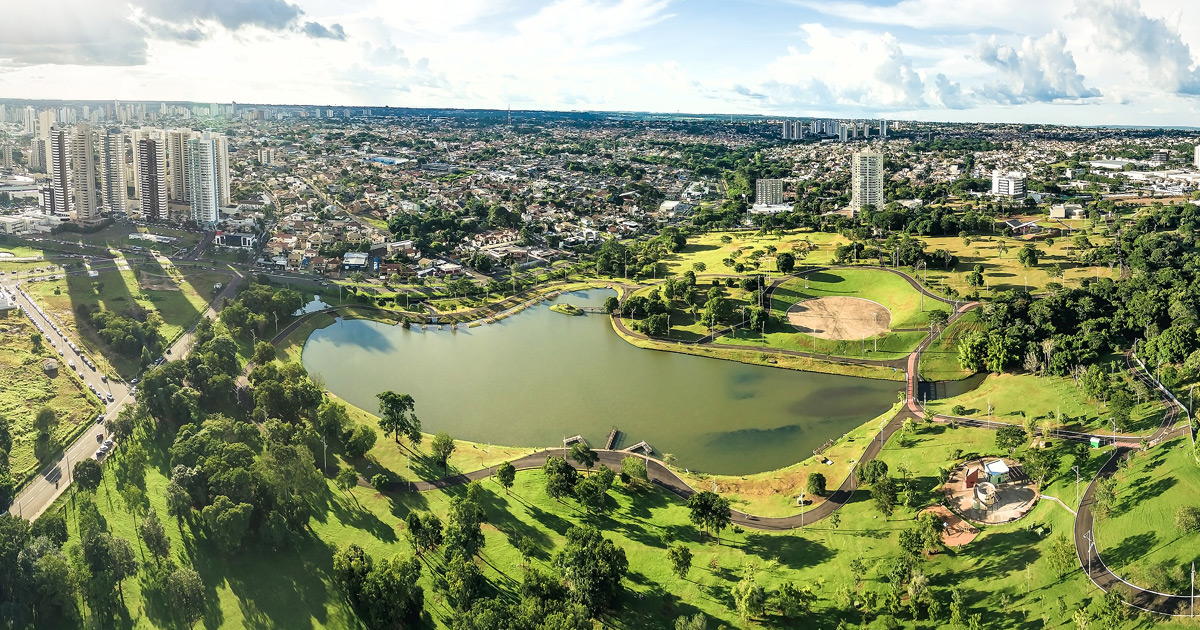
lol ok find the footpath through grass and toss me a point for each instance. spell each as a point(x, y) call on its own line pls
point(1140, 541)
point(939, 362)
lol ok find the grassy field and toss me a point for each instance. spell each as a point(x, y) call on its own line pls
point(179, 295)
point(1002, 271)
point(773, 360)
point(939, 362)
point(25, 389)
point(710, 250)
point(774, 493)
point(117, 235)
point(886, 288)
point(1002, 570)
point(1014, 397)
point(1141, 533)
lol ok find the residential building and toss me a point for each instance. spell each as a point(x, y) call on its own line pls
point(58, 201)
point(112, 172)
point(179, 187)
point(1196, 159)
point(6, 156)
point(38, 155)
point(84, 200)
point(1010, 184)
point(866, 178)
point(152, 177)
point(768, 192)
point(883, 127)
point(207, 167)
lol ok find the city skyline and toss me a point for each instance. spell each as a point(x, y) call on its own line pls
point(1113, 62)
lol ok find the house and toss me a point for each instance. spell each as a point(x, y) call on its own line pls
point(354, 261)
point(235, 239)
point(1022, 228)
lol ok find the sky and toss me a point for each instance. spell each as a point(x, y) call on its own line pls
point(1096, 62)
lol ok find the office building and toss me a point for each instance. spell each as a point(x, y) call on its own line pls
point(58, 200)
point(209, 180)
point(1010, 185)
point(883, 125)
point(177, 165)
point(38, 155)
point(112, 169)
point(866, 178)
point(768, 192)
point(152, 177)
point(83, 175)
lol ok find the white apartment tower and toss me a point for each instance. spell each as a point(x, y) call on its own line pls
point(83, 175)
point(6, 159)
point(1196, 159)
point(112, 175)
point(177, 164)
point(152, 177)
point(1008, 184)
point(59, 199)
point(768, 192)
point(866, 178)
point(208, 169)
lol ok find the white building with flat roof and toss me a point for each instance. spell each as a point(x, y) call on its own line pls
point(1010, 184)
point(866, 180)
point(768, 192)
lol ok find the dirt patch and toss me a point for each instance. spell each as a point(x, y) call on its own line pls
point(840, 318)
point(955, 531)
point(156, 282)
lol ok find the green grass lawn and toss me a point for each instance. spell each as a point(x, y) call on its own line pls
point(19, 251)
point(1141, 533)
point(179, 296)
point(939, 362)
point(1002, 271)
point(710, 250)
point(25, 389)
point(1002, 570)
point(888, 289)
point(1015, 397)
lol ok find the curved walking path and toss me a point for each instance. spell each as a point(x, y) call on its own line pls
point(662, 476)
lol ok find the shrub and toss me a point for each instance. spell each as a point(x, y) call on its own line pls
point(1187, 519)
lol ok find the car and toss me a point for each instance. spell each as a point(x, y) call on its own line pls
point(109, 396)
point(100, 437)
point(99, 418)
point(135, 381)
point(108, 443)
point(103, 378)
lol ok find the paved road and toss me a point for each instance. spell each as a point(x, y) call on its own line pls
point(55, 477)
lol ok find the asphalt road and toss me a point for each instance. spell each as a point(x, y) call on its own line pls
point(55, 477)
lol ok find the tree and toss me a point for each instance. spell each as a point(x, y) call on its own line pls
point(872, 471)
point(264, 352)
point(695, 622)
point(1061, 555)
point(227, 521)
point(1041, 464)
point(397, 416)
point(785, 262)
point(332, 419)
point(1009, 437)
point(1105, 501)
point(592, 568)
point(938, 318)
point(464, 535)
point(362, 439)
point(346, 479)
point(792, 602)
point(390, 594)
point(633, 471)
point(972, 351)
point(815, 484)
point(749, 596)
point(884, 492)
point(583, 455)
point(1187, 519)
point(185, 591)
point(709, 512)
point(681, 560)
point(350, 568)
point(1028, 256)
point(506, 474)
point(45, 421)
point(560, 477)
point(592, 491)
point(155, 536)
point(699, 267)
point(179, 502)
point(442, 447)
point(87, 473)
point(611, 304)
point(463, 582)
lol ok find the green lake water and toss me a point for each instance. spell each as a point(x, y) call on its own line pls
point(539, 376)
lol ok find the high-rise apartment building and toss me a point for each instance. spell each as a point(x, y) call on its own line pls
point(1196, 159)
point(59, 198)
point(1008, 184)
point(6, 156)
point(883, 126)
point(866, 178)
point(209, 181)
point(177, 165)
point(768, 192)
point(83, 174)
point(39, 149)
point(112, 171)
point(152, 177)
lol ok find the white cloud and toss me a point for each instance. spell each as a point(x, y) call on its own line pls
point(1165, 58)
point(1040, 70)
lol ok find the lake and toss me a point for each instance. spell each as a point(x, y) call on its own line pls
point(538, 377)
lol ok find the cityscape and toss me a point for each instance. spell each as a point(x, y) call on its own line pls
point(889, 318)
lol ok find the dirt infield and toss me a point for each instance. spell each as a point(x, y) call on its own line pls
point(839, 317)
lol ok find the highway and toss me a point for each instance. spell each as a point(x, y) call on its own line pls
point(55, 477)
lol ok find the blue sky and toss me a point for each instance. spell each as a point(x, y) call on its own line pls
point(1058, 61)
